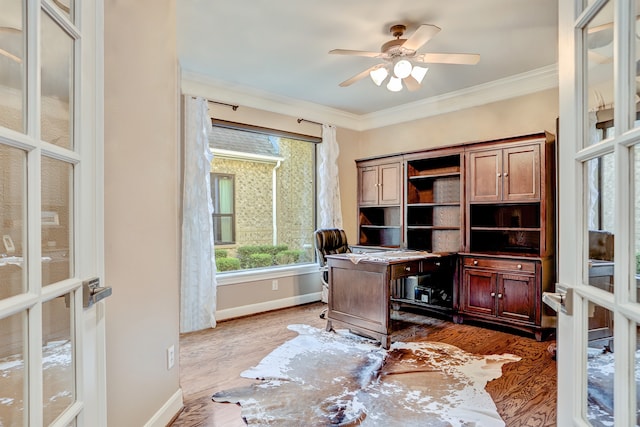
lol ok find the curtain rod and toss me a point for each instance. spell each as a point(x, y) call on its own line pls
point(234, 107)
point(309, 121)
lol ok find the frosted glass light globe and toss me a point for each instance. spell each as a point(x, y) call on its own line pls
point(395, 84)
point(402, 69)
point(379, 75)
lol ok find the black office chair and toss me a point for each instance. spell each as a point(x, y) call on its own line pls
point(329, 241)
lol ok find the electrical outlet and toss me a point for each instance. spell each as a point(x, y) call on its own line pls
point(274, 285)
point(171, 357)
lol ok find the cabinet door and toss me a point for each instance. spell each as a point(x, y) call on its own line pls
point(368, 185)
point(517, 297)
point(478, 293)
point(389, 188)
point(485, 176)
point(521, 173)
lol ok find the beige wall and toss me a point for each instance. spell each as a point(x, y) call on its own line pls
point(141, 207)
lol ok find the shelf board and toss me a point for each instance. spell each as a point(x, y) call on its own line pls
point(433, 227)
point(419, 303)
point(433, 175)
point(378, 226)
point(432, 204)
point(496, 228)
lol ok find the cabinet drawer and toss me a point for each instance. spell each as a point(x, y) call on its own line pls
point(405, 269)
point(501, 264)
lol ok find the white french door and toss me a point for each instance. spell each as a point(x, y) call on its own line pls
point(51, 347)
point(599, 212)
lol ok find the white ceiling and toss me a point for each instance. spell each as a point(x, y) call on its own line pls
point(280, 47)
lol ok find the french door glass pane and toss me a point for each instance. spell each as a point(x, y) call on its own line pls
point(600, 221)
point(57, 202)
point(57, 84)
point(13, 169)
point(12, 370)
point(58, 377)
point(636, 209)
point(636, 370)
point(12, 65)
point(635, 77)
point(600, 366)
point(599, 72)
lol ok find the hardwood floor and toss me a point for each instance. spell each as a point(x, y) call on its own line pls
point(212, 360)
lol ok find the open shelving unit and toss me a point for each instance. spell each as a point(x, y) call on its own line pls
point(505, 228)
point(380, 226)
point(433, 204)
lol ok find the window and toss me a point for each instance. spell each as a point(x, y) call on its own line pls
point(263, 187)
point(223, 197)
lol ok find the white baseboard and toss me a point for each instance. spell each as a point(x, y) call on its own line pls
point(169, 410)
point(247, 310)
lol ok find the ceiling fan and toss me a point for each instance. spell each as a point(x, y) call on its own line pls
point(402, 62)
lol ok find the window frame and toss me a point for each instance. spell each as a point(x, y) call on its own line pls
point(215, 199)
point(272, 272)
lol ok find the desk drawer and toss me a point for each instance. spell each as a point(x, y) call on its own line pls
point(405, 269)
point(501, 264)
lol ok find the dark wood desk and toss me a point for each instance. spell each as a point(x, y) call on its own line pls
point(360, 293)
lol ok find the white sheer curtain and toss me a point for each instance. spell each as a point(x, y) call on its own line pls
point(329, 184)
point(198, 284)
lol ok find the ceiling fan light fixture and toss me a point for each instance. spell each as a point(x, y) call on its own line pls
point(395, 84)
point(378, 75)
point(402, 68)
point(418, 73)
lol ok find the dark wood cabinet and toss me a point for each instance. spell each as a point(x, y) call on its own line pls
point(502, 175)
point(501, 291)
point(510, 208)
point(489, 204)
point(379, 184)
point(379, 202)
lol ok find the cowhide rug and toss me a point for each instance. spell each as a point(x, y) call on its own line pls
point(325, 378)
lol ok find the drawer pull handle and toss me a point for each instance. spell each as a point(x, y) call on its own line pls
point(499, 295)
point(407, 268)
point(493, 294)
point(519, 266)
point(475, 262)
point(499, 174)
point(437, 264)
point(506, 174)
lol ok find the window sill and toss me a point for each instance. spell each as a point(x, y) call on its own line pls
point(258, 274)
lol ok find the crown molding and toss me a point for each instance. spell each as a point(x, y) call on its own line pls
point(497, 90)
point(518, 85)
point(215, 90)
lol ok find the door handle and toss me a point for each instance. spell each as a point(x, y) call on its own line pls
point(92, 292)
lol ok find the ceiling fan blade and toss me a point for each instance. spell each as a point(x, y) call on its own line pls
point(448, 58)
point(355, 53)
point(422, 35)
point(411, 83)
point(358, 76)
